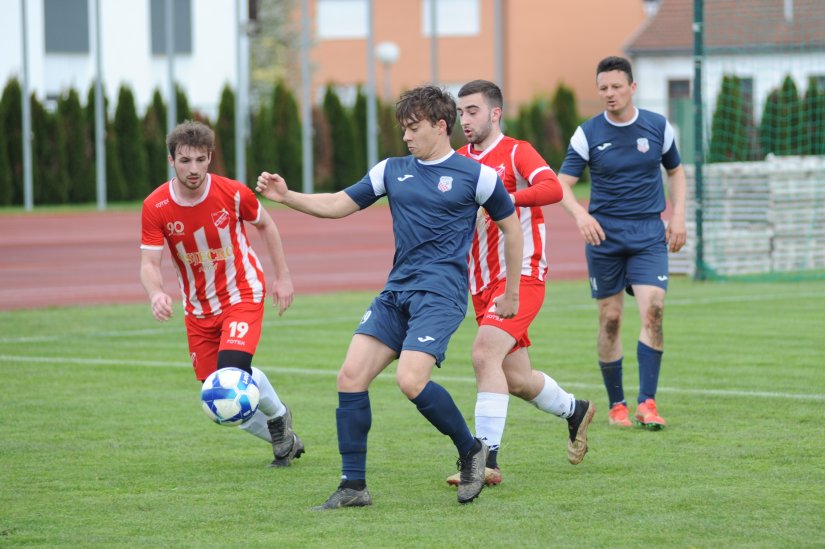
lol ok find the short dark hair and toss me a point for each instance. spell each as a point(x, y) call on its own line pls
point(429, 103)
point(615, 63)
point(491, 93)
point(190, 133)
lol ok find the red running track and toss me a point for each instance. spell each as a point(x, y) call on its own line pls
point(93, 258)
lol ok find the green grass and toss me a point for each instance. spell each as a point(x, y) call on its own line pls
point(104, 444)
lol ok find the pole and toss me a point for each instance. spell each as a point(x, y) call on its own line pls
point(498, 44)
point(372, 125)
point(434, 42)
point(28, 187)
point(242, 97)
point(698, 126)
point(172, 104)
point(306, 102)
point(100, 129)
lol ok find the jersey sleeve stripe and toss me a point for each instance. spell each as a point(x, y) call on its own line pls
point(534, 172)
point(377, 178)
point(486, 184)
point(579, 144)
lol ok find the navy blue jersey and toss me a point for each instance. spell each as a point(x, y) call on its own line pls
point(434, 205)
point(624, 160)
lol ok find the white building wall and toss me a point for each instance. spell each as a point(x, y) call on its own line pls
point(767, 71)
point(127, 53)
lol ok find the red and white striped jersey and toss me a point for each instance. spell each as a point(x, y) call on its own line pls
point(518, 164)
point(215, 264)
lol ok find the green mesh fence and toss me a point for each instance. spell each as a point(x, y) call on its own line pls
point(763, 176)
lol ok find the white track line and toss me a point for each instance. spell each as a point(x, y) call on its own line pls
point(459, 379)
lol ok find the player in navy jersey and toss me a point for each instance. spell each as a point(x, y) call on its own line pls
point(626, 240)
point(434, 196)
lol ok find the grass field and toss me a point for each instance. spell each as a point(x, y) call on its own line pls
point(104, 444)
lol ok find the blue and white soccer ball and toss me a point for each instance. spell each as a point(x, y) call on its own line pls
point(230, 396)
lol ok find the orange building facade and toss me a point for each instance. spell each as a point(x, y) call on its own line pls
point(543, 43)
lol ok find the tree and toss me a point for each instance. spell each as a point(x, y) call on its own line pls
point(359, 119)
point(790, 114)
point(182, 105)
point(288, 146)
point(322, 150)
point(564, 105)
point(814, 118)
point(389, 134)
point(728, 135)
point(115, 182)
point(130, 147)
point(768, 124)
point(274, 48)
point(49, 179)
point(342, 133)
point(6, 180)
point(11, 106)
point(79, 166)
point(261, 152)
point(154, 141)
point(225, 130)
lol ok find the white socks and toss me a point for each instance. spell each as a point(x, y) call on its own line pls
point(269, 406)
point(491, 415)
point(554, 400)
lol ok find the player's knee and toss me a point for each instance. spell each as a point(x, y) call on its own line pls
point(486, 356)
point(348, 380)
point(517, 384)
point(411, 385)
point(653, 321)
point(611, 323)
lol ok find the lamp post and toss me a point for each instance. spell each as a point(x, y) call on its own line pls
point(387, 53)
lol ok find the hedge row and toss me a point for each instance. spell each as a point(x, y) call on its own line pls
point(790, 124)
point(63, 144)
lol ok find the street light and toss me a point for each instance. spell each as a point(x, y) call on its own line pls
point(387, 53)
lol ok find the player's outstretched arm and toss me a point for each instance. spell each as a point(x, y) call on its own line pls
point(330, 205)
point(151, 277)
point(589, 228)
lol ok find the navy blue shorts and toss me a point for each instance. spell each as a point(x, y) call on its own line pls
point(634, 252)
point(413, 321)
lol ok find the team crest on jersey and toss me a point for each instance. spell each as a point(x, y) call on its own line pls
point(445, 183)
point(642, 145)
point(500, 171)
point(221, 219)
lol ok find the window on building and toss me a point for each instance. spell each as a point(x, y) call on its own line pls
point(680, 115)
point(678, 91)
point(66, 25)
point(181, 26)
point(453, 17)
point(341, 19)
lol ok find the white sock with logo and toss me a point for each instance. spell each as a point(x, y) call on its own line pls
point(554, 400)
point(491, 415)
point(269, 406)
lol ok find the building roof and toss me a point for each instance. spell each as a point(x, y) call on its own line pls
point(732, 25)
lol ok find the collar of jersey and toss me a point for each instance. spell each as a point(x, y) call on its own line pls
point(438, 160)
point(632, 120)
point(482, 154)
point(184, 203)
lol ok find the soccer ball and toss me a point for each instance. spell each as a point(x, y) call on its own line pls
point(229, 396)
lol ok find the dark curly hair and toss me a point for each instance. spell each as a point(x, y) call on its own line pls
point(190, 133)
point(429, 103)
